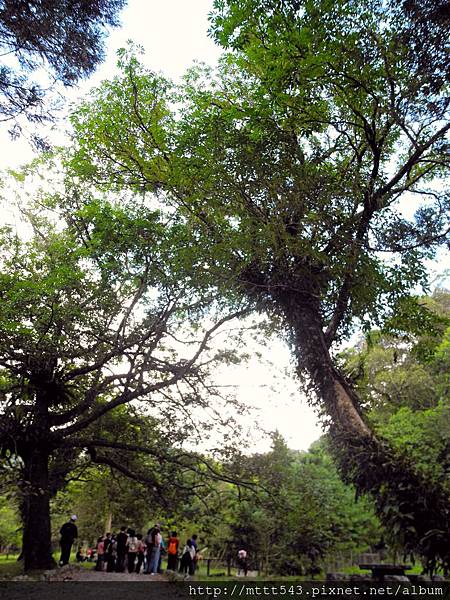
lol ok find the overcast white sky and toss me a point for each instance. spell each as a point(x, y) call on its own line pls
point(173, 34)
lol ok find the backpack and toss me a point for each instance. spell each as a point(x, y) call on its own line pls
point(132, 545)
point(172, 549)
point(151, 538)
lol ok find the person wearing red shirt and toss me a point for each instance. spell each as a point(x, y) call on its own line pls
point(172, 551)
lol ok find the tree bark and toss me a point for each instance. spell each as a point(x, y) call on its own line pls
point(37, 547)
point(313, 357)
point(108, 522)
point(410, 505)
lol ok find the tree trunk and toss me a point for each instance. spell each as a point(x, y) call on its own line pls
point(314, 358)
point(108, 522)
point(412, 507)
point(37, 547)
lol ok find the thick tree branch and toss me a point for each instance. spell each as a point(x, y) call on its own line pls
point(144, 390)
point(191, 460)
point(406, 168)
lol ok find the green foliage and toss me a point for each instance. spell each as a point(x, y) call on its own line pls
point(295, 517)
point(287, 167)
point(10, 531)
point(303, 514)
point(283, 174)
point(406, 371)
point(413, 514)
point(425, 436)
point(92, 320)
point(101, 495)
point(277, 169)
point(403, 383)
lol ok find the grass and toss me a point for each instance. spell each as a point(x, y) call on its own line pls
point(354, 569)
point(9, 567)
point(84, 565)
point(219, 572)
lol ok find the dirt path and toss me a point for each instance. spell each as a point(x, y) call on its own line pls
point(92, 575)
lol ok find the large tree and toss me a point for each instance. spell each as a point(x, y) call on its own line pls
point(297, 165)
point(92, 321)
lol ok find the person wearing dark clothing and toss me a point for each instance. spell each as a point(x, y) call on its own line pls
point(193, 565)
point(242, 562)
point(187, 558)
point(107, 542)
point(111, 555)
point(122, 539)
point(69, 534)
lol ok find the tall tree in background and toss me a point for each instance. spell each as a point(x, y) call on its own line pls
point(304, 513)
point(402, 381)
point(91, 321)
point(59, 41)
point(293, 164)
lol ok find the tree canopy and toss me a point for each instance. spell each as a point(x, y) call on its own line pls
point(403, 383)
point(92, 321)
point(292, 165)
point(303, 515)
point(63, 38)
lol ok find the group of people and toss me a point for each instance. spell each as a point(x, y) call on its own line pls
point(132, 552)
